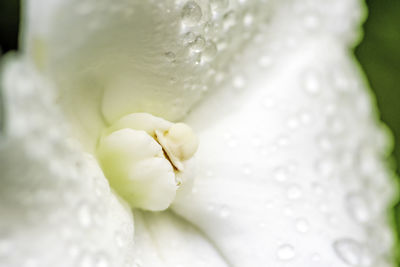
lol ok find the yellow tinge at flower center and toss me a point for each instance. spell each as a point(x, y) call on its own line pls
point(144, 158)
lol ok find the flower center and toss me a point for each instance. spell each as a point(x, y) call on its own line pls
point(144, 158)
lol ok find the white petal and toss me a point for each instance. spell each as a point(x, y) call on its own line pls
point(55, 203)
point(163, 239)
point(292, 163)
point(112, 58)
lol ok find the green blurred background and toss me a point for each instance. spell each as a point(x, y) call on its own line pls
point(378, 53)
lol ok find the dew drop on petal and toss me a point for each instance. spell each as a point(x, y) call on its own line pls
point(302, 225)
point(121, 239)
point(84, 215)
point(311, 82)
point(224, 212)
point(325, 167)
point(315, 257)
point(101, 261)
point(248, 20)
point(74, 250)
point(188, 38)
point(86, 260)
point(282, 141)
point(210, 51)
point(196, 58)
point(293, 123)
point(311, 21)
point(285, 252)
point(219, 5)
point(137, 263)
point(229, 20)
point(348, 250)
point(265, 62)
point(239, 82)
point(324, 142)
point(191, 13)
point(357, 207)
point(198, 44)
point(268, 102)
point(170, 56)
point(305, 117)
point(294, 192)
point(280, 174)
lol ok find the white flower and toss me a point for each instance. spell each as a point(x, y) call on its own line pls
point(290, 170)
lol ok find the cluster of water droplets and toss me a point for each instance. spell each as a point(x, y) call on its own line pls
point(348, 164)
point(209, 36)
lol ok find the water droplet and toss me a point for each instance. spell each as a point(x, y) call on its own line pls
point(101, 261)
point(196, 57)
point(191, 13)
point(311, 21)
point(323, 207)
point(84, 215)
point(283, 140)
point(336, 125)
point(358, 207)
point(368, 161)
point(340, 81)
point(188, 38)
point(121, 239)
point(86, 261)
point(348, 250)
point(219, 5)
point(248, 20)
point(280, 174)
point(198, 44)
point(224, 212)
point(324, 142)
point(219, 77)
point(317, 188)
point(305, 117)
point(268, 102)
point(285, 252)
point(293, 123)
point(246, 169)
point(315, 257)
point(211, 207)
point(74, 250)
point(302, 225)
point(294, 192)
point(229, 20)
point(265, 61)
point(325, 167)
point(209, 29)
point(288, 211)
point(210, 51)
point(238, 82)
point(170, 56)
point(311, 82)
point(137, 263)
